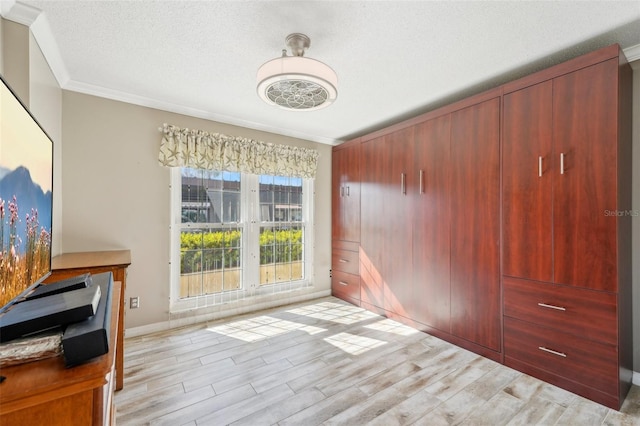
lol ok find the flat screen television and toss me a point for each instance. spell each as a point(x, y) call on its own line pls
point(26, 201)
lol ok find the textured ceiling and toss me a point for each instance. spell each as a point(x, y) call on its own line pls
point(394, 59)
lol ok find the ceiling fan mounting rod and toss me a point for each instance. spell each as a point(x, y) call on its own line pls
point(298, 43)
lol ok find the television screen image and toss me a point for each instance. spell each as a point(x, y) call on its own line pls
point(26, 177)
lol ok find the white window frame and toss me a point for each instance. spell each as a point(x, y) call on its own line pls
point(250, 225)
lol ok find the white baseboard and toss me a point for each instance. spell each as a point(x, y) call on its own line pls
point(184, 318)
point(636, 378)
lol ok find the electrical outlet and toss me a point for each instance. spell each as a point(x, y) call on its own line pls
point(134, 302)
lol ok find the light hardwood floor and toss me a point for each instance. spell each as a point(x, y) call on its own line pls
point(328, 362)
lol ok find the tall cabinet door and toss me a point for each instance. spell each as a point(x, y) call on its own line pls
point(475, 224)
point(585, 134)
point(527, 176)
point(337, 194)
point(431, 248)
point(373, 221)
point(400, 185)
point(351, 213)
point(346, 194)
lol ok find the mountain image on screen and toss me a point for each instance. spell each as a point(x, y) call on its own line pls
point(25, 231)
point(29, 195)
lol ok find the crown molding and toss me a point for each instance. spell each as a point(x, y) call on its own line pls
point(19, 12)
point(117, 95)
point(38, 24)
point(632, 53)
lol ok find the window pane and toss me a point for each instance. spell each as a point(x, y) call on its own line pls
point(230, 207)
point(210, 197)
point(210, 261)
point(281, 254)
point(280, 199)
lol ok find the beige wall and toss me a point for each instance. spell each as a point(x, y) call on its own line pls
point(117, 196)
point(45, 103)
point(15, 58)
point(1, 46)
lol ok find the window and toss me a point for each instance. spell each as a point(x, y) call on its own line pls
point(281, 229)
point(238, 234)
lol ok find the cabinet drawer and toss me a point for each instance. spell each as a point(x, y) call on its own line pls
point(347, 284)
point(586, 313)
point(345, 245)
point(345, 261)
point(583, 361)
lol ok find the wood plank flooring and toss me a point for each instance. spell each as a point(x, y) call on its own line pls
point(328, 362)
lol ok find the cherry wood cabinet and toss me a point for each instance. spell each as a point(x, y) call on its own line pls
point(346, 285)
point(345, 215)
point(346, 192)
point(585, 141)
point(403, 238)
point(566, 225)
point(502, 223)
point(580, 365)
point(590, 314)
point(431, 225)
point(527, 170)
point(373, 223)
point(475, 224)
point(400, 186)
point(345, 271)
point(560, 179)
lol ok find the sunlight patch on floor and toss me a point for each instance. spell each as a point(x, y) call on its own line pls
point(391, 326)
point(263, 327)
point(334, 312)
point(352, 344)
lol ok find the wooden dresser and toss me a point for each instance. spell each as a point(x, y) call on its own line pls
point(115, 261)
point(47, 393)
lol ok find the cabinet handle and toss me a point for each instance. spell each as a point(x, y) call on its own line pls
point(342, 283)
point(342, 191)
point(403, 188)
point(540, 166)
point(551, 351)
point(421, 182)
point(343, 261)
point(348, 192)
point(559, 308)
point(562, 163)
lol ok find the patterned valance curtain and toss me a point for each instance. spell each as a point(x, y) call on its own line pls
point(182, 147)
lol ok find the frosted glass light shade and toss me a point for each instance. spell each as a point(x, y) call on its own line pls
point(297, 83)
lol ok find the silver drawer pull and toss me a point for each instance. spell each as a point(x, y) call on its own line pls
point(551, 351)
point(559, 308)
point(343, 261)
point(342, 283)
